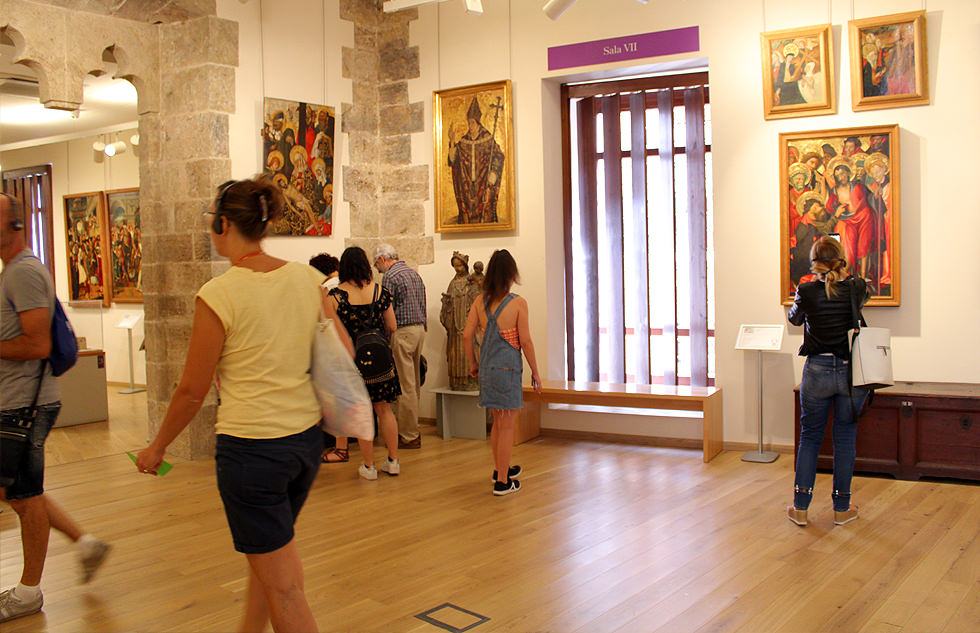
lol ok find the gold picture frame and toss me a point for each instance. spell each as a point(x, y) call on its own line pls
point(888, 61)
point(124, 231)
point(85, 240)
point(474, 158)
point(798, 72)
point(843, 182)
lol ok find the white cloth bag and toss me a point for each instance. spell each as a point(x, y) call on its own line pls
point(871, 357)
point(344, 400)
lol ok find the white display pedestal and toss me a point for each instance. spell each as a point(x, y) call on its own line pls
point(127, 323)
point(760, 338)
point(83, 391)
point(458, 415)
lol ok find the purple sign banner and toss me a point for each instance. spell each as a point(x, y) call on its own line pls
point(617, 49)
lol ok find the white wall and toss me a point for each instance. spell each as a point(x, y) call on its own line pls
point(939, 214)
point(76, 168)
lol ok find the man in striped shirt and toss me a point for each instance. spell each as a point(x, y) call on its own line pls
point(408, 292)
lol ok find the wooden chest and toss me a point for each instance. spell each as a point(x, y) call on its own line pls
point(915, 429)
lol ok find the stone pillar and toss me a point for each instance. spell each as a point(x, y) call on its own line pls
point(185, 159)
point(385, 190)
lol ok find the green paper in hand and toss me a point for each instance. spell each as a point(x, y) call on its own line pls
point(162, 470)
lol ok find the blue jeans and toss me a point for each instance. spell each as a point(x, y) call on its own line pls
point(27, 474)
point(825, 386)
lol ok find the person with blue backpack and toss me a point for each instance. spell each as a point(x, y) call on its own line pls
point(34, 348)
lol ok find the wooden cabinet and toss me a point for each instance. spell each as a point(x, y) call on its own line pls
point(915, 429)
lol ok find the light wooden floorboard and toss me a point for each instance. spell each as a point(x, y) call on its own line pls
point(603, 537)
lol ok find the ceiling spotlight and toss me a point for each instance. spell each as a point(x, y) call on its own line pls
point(98, 146)
point(115, 148)
point(473, 6)
point(554, 8)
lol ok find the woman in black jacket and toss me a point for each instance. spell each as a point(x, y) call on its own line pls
point(824, 308)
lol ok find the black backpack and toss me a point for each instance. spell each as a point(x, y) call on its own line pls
point(372, 353)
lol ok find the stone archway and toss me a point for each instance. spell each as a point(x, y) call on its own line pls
point(182, 60)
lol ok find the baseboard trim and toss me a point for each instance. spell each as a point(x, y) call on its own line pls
point(651, 440)
point(110, 383)
point(429, 421)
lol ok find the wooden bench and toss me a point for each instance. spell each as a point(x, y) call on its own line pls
point(680, 398)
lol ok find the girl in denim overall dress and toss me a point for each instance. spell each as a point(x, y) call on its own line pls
point(503, 318)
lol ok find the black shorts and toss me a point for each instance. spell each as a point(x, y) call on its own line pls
point(23, 476)
point(263, 485)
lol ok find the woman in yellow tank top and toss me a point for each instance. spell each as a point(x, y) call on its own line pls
point(268, 445)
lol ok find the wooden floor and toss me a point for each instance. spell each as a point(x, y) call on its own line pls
point(603, 537)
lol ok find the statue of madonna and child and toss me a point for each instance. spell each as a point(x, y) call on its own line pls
point(456, 301)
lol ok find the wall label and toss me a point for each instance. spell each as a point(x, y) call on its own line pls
point(617, 49)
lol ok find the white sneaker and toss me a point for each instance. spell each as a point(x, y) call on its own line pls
point(368, 472)
point(12, 607)
point(391, 467)
point(92, 557)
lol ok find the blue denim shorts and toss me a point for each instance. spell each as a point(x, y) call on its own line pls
point(28, 472)
point(263, 485)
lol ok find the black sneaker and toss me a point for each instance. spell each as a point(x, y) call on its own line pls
point(506, 487)
point(512, 472)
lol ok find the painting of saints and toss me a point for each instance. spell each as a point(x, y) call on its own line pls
point(298, 145)
point(854, 198)
point(125, 245)
point(84, 226)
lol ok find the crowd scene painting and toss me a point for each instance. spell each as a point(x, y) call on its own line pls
point(125, 245)
point(842, 183)
point(297, 152)
point(84, 229)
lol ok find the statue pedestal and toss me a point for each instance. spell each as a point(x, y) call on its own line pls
point(458, 415)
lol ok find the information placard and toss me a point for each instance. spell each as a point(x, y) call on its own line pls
point(766, 338)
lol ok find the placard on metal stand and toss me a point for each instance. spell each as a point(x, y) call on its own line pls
point(762, 338)
point(128, 322)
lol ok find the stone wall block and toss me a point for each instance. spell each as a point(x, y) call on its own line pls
point(399, 218)
point(393, 93)
point(178, 340)
point(207, 39)
point(155, 332)
point(366, 12)
point(415, 250)
point(365, 37)
point(365, 94)
point(355, 118)
point(402, 119)
point(187, 278)
point(364, 220)
point(361, 179)
point(363, 148)
point(396, 150)
point(200, 433)
point(205, 175)
point(201, 246)
point(174, 248)
point(397, 64)
point(154, 276)
point(359, 63)
point(205, 87)
point(406, 181)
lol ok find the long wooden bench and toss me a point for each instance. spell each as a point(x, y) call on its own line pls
point(680, 398)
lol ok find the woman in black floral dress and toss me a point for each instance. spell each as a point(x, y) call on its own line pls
point(363, 304)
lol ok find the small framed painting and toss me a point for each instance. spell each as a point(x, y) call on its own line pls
point(888, 61)
point(798, 72)
point(474, 158)
point(85, 237)
point(843, 183)
point(125, 245)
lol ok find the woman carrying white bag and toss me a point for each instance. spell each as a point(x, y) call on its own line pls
point(824, 308)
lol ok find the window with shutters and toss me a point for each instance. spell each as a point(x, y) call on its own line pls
point(638, 248)
point(32, 186)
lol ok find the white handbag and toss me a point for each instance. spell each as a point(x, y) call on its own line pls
point(344, 400)
point(871, 352)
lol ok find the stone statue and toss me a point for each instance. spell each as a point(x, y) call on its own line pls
point(456, 302)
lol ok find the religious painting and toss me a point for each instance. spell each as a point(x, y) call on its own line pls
point(125, 245)
point(85, 237)
point(888, 61)
point(798, 72)
point(474, 158)
point(843, 183)
point(297, 153)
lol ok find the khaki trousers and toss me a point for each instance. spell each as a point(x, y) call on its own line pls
point(406, 347)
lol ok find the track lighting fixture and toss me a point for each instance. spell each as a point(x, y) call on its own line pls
point(554, 8)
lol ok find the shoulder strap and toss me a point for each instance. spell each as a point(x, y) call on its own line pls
point(502, 305)
point(856, 317)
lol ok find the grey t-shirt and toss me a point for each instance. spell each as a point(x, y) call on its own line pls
point(24, 285)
